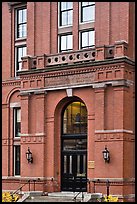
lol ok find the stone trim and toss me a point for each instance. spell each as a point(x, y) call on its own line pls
point(28, 178)
point(69, 92)
point(113, 179)
point(16, 104)
point(69, 86)
point(113, 131)
point(35, 134)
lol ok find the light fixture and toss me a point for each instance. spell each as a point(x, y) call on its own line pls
point(29, 156)
point(106, 155)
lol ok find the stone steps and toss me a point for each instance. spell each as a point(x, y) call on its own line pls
point(63, 197)
point(58, 197)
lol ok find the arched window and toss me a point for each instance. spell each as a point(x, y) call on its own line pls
point(75, 118)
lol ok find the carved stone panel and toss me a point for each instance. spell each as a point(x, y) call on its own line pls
point(69, 80)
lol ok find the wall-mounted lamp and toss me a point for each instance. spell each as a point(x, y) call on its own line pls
point(106, 155)
point(29, 156)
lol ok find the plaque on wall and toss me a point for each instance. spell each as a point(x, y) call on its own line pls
point(91, 164)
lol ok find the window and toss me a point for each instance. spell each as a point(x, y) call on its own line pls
point(17, 160)
point(66, 13)
point(66, 42)
point(21, 51)
point(17, 122)
point(87, 11)
point(21, 23)
point(87, 39)
point(75, 119)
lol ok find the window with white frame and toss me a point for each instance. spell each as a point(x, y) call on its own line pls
point(21, 25)
point(87, 11)
point(17, 160)
point(87, 39)
point(20, 52)
point(17, 122)
point(66, 42)
point(65, 13)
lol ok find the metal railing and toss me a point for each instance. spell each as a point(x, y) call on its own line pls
point(75, 197)
point(109, 182)
point(20, 189)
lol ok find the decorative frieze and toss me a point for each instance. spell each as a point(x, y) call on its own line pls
point(11, 83)
point(113, 136)
point(32, 139)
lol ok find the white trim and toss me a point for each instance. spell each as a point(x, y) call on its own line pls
point(36, 134)
point(111, 131)
point(20, 43)
point(113, 179)
point(16, 104)
point(49, 178)
point(29, 178)
point(69, 92)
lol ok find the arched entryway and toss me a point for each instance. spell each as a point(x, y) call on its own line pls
point(74, 147)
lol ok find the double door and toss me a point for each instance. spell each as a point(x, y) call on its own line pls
point(74, 147)
point(74, 171)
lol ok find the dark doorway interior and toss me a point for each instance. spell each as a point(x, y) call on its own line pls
point(74, 148)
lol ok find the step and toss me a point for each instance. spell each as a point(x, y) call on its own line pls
point(60, 197)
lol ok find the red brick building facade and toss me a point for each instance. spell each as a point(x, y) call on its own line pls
point(67, 94)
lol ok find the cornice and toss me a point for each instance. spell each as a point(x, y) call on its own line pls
point(69, 71)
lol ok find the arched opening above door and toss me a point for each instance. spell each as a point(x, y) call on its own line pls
point(75, 118)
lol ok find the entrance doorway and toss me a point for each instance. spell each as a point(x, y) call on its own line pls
point(74, 148)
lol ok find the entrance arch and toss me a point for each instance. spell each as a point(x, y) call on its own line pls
point(74, 147)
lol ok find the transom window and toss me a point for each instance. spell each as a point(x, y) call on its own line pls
point(21, 23)
point(66, 13)
point(66, 42)
point(75, 119)
point(21, 52)
point(17, 122)
point(87, 11)
point(87, 39)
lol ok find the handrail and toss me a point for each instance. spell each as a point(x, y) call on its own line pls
point(14, 192)
point(77, 196)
